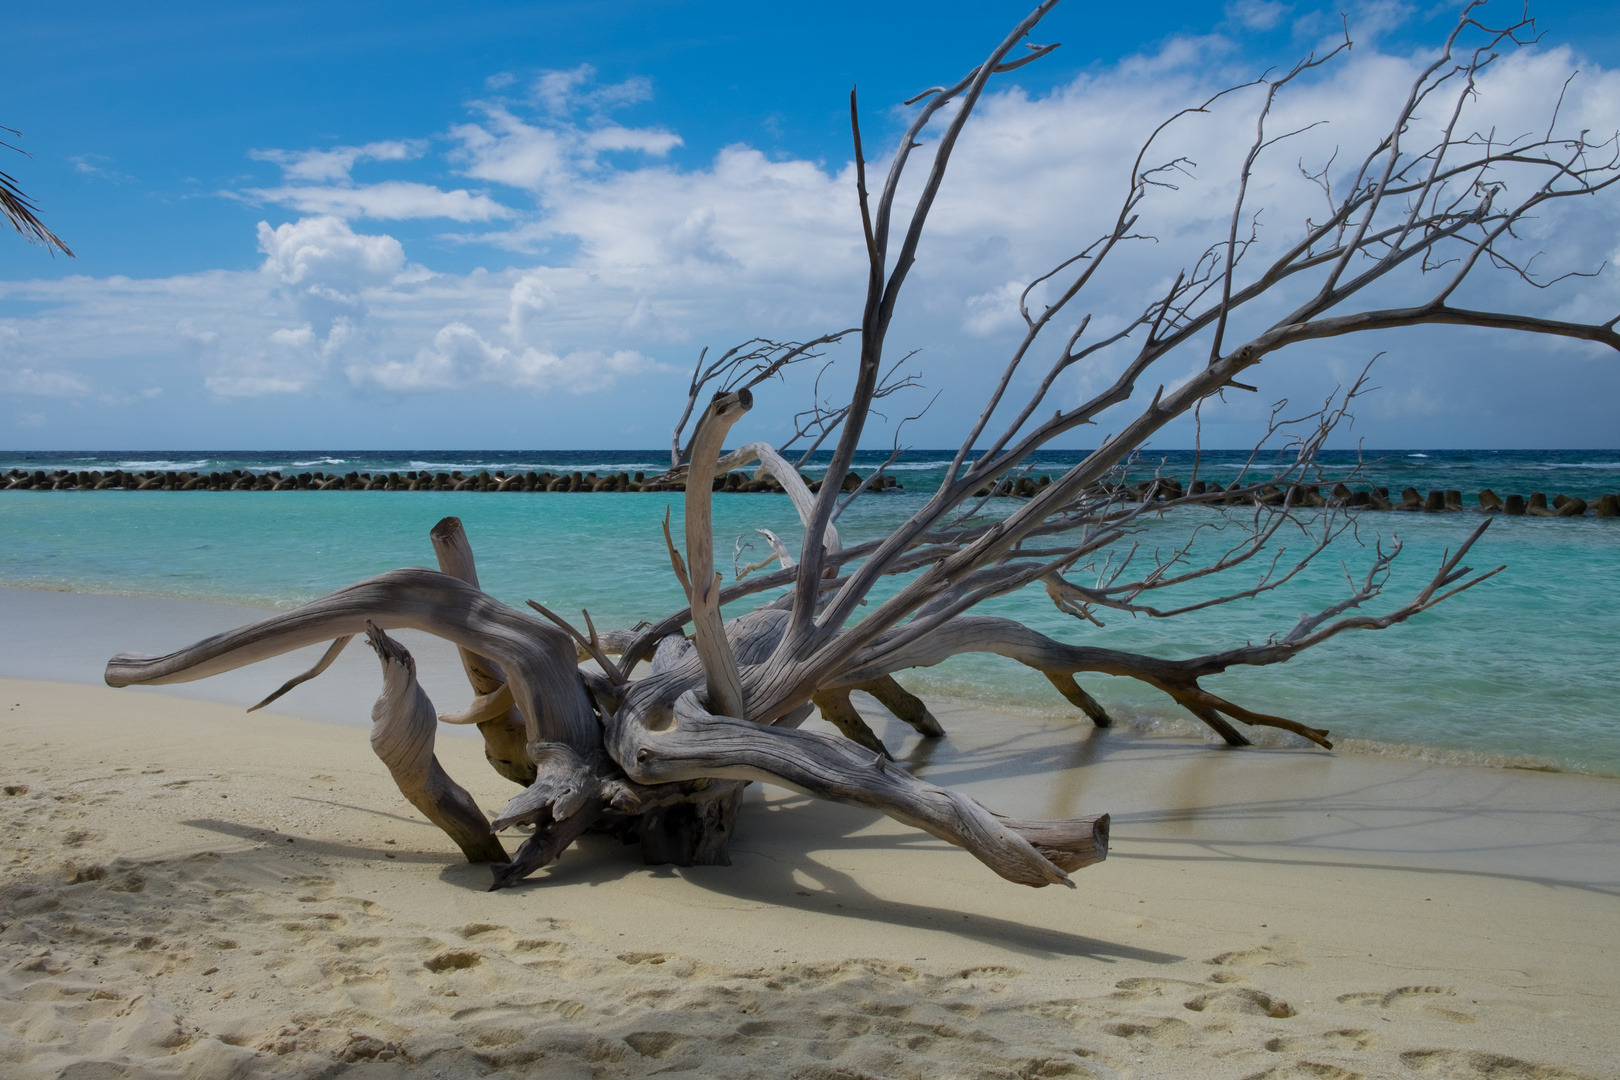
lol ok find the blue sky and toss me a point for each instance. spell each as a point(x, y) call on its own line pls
point(513, 225)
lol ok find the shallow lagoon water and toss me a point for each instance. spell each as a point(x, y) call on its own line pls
point(1520, 670)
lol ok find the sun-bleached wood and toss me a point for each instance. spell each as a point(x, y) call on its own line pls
point(503, 731)
point(402, 735)
point(720, 667)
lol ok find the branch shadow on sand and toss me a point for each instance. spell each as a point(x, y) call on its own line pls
point(778, 846)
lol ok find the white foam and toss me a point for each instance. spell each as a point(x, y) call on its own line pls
point(164, 466)
point(525, 466)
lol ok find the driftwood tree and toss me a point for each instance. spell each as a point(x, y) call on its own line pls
point(656, 738)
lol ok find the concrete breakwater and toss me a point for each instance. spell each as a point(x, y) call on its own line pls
point(413, 480)
point(1537, 504)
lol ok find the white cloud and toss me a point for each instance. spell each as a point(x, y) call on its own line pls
point(319, 182)
point(654, 142)
point(324, 251)
point(508, 151)
point(294, 337)
point(253, 384)
point(554, 149)
point(95, 165)
point(459, 357)
point(995, 310)
point(36, 383)
point(1257, 14)
point(313, 166)
point(563, 92)
point(391, 200)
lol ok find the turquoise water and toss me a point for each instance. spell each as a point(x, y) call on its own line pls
point(1521, 669)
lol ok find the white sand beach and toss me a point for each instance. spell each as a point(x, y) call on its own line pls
point(195, 892)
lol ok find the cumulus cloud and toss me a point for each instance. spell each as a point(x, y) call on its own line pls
point(459, 357)
point(506, 149)
point(324, 252)
point(326, 269)
point(567, 136)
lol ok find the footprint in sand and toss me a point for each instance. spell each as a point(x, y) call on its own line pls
point(316, 922)
point(1350, 1039)
point(1280, 954)
point(655, 1044)
point(1414, 997)
point(1306, 1070)
point(492, 933)
point(988, 971)
point(542, 947)
point(1400, 995)
point(1241, 1000)
point(1143, 988)
point(453, 960)
point(1162, 1032)
point(810, 1029)
point(671, 963)
point(1476, 1065)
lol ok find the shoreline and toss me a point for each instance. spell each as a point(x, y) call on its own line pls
point(69, 641)
point(193, 892)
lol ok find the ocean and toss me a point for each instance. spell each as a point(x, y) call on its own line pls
point(1518, 672)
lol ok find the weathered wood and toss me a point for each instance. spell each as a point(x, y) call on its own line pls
point(537, 658)
point(321, 665)
point(1077, 697)
point(905, 705)
point(708, 636)
point(838, 711)
point(484, 708)
point(402, 735)
point(655, 742)
point(502, 729)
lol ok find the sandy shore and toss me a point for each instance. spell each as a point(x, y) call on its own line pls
point(195, 892)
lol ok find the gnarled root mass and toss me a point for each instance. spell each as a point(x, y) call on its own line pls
point(645, 761)
point(648, 760)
